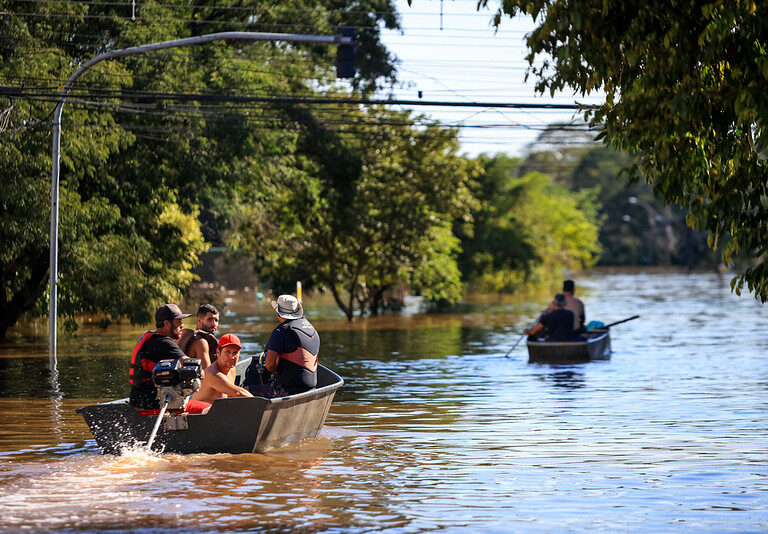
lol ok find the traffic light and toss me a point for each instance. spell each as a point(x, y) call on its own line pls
point(345, 54)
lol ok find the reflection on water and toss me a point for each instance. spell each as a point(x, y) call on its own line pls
point(434, 428)
point(565, 379)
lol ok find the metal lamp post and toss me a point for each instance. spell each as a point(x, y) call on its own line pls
point(344, 40)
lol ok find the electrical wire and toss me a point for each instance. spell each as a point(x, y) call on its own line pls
point(218, 97)
point(451, 73)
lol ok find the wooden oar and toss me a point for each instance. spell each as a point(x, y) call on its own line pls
point(619, 322)
point(521, 337)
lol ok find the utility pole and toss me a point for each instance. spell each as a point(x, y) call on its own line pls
point(343, 40)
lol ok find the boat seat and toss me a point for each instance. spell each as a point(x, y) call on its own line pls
point(248, 373)
point(241, 368)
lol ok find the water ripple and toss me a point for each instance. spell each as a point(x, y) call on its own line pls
point(436, 430)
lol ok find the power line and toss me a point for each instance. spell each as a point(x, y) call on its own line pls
point(261, 9)
point(156, 19)
point(243, 9)
point(338, 119)
point(254, 24)
point(17, 92)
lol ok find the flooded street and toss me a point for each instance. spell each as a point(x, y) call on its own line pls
point(434, 428)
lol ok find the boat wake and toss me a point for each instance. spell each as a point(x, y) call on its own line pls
point(84, 489)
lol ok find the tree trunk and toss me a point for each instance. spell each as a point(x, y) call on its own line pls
point(343, 307)
point(362, 304)
point(352, 297)
point(378, 296)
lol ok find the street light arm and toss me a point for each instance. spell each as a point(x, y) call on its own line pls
point(201, 39)
point(653, 215)
point(56, 143)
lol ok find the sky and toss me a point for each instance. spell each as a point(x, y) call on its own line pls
point(467, 61)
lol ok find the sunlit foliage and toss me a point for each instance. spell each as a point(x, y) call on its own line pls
point(684, 85)
point(527, 232)
point(142, 178)
point(370, 210)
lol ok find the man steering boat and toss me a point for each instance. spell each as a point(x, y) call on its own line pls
point(153, 346)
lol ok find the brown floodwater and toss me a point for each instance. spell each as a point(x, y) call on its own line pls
point(434, 428)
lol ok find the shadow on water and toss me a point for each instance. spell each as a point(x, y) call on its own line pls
point(77, 377)
point(355, 353)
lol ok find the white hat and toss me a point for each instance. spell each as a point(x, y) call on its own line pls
point(288, 307)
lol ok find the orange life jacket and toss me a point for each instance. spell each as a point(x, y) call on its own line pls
point(301, 357)
point(139, 372)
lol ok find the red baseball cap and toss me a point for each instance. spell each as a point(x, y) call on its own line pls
point(229, 339)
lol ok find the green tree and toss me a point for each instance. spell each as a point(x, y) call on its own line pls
point(684, 90)
point(370, 208)
point(142, 178)
point(527, 231)
point(632, 232)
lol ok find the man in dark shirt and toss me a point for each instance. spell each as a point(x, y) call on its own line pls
point(153, 346)
point(292, 351)
point(558, 323)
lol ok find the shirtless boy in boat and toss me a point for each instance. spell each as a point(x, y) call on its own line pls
point(219, 379)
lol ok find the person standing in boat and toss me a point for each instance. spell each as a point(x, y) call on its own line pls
point(219, 379)
point(201, 343)
point(291, 351)
point(153, 346)
point(576, 306)
point(556, 324)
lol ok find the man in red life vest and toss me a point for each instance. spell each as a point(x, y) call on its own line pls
point(153, 346)
point(201, 342)
point(292, 351)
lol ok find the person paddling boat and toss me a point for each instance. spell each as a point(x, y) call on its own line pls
point(557, 323)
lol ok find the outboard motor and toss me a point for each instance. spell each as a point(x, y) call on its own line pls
point(175, 381)
point(257, 372)
point(176, 378)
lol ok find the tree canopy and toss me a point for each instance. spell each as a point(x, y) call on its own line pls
point(683, 84)
point(157, 163)
point(144, 180)
point(635, 227)
point(370, 209)
point(526, 232)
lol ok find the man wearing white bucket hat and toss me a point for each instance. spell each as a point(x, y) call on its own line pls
point(292, 351)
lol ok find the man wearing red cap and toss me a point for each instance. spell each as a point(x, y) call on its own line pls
point(219, 379)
